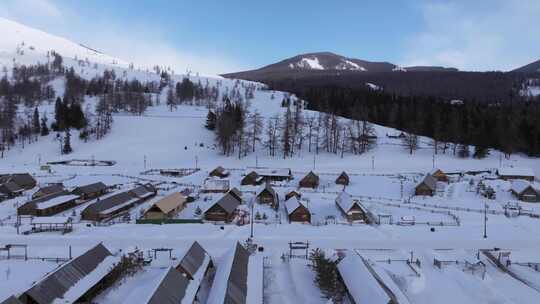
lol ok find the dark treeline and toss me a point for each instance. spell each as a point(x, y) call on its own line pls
point(510, 127)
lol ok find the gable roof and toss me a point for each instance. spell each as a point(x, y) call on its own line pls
point(11, 300)
point(219, 170)
point(429, 181)
point(310, 176)
point(361, 284)
point(519, 186)
point(59, 282)
point(267, 188)
point(90, 188)
point(228, 202)
point(10, 187)
point(230, 283)
point(236, 193)
point(24, 180)
point(170, 202)
point(49, 189)
point(345, 201)
point(110, 202)
point(343, 175)
point(193, 259)
point(171, 289)
point(37, 201)
point(292, 204)
point(143, 191)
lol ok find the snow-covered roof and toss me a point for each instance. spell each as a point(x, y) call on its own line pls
point(216, 184)
point(171, 289)
point(292, 204)
point(360, 283)
point(170, 202)
point(346, 202)
point(59, 200)
point(194, 259)
point(90, 188)
point(284, 172)
point(228, 202)
point(519, 185)
point(231, 279)
point(69, 282)
point(515, 171)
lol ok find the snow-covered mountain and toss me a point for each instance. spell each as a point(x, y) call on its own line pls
point(21, 44)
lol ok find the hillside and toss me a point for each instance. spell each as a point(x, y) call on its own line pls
point(533, 67)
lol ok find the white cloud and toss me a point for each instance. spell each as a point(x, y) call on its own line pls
point(470, 35)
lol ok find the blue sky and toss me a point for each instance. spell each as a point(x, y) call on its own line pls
point(222, 36)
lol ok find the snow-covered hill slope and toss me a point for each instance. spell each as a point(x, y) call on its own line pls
point(25, 45)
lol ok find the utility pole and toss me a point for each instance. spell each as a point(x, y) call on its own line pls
point(145, 162)
point(251, 220)
point(485, 220)
point(433, 161)
point(373, 163)
point(256, 161)
point(196, 162)
point(314, 161)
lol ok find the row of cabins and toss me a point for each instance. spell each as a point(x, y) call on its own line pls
point(118, 203)
point(81, 279)
point(13, 185)
point(54, 199)
point(310, 180)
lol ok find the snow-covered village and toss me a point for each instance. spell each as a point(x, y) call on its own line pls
point(130, 183)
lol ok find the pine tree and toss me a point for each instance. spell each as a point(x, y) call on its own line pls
point(35, 122)
point(67, 143)
point(44, 127)
point(211, 120)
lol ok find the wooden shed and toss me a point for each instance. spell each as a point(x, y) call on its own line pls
point(91, 191)
point(297, 211)
point(293, 193)
point(166, 207)
point(311, 180)
point(351, 209)
point(427, 186)
point(223, 210)
point(47, 190)
point(525, 191)
point(439, 175)
point(343, 179)
point(220, 172)
point(267, 195)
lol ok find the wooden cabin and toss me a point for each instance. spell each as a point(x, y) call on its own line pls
point(343, 179)
point(311, 180)
point(91, 191)
point(95, 267)
point(439, 175)
point(252, 178)
point(214, 185)
point(47, 190)
point(293, 193)
point(297, 211)
point(167, 207)
point(427, 187)
point(267, 195)
point(220, 172)
point(49, 205)
point(224, 210)
point(351, 209)
point(525, 191)
point(512, 173)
